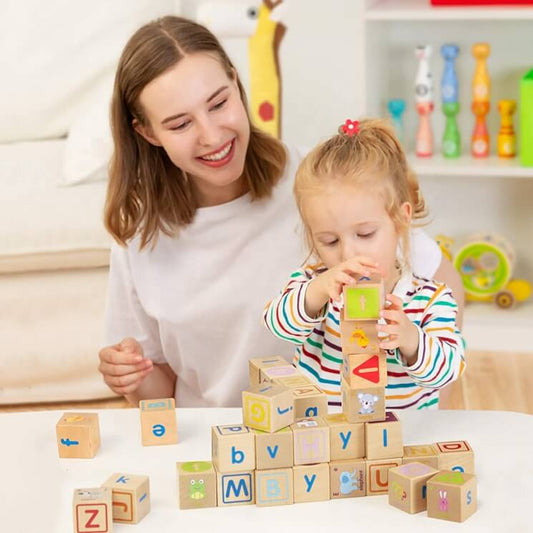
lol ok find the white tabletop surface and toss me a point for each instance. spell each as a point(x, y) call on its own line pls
point(36, 485)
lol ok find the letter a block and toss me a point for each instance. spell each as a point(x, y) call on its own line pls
point(421, 453)
point(360, 371)
point(233, 448)
point(384, 439)
point(364, 299)
point(158, 422)
point(407, 486)
point(268, 407)
point(309, 401)
point(78, 435)
point(311, 441)
point(348, 478)
point(358, 337)
point(452, 496)
point(235, 488)
point(274, 450)
point(131, 497)
point(274, 487)
point(311, 483)
point(346, 440)
point(197, 485)
point(455, 455)
point(377, 475)
point(92, 510)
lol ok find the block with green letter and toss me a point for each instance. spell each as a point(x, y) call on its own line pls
point(365, 299)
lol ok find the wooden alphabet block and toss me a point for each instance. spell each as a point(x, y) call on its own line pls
point(233, 448)
point(358, 336)
point(235, 488)
point(407, 486)
point(293, 382)
point(365, 299)
point(274, 487)
point(363, 405)
point(346, 440)
point(257, 364)
point(278, 371)
point(377, 475)
point(92, 510)
point(384, 439)
point(452, 496)
point(197, 484)
point(131, 497)
point(78, 435)
point(274, 450)
point(367, 370)
point(311, 483)
point(309, 401)
point(268, 407)
point(311, 441)
point(421, 453)
point(158, 422)
point(347, 478)
point(456, 455)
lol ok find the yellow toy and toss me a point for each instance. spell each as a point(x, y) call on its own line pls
point(506, 135)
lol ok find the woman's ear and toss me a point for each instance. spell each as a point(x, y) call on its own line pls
point(145, 131)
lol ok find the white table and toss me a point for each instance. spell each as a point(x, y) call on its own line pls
point(36, 486)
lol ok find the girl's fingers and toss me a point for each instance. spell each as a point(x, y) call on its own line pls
point(390, 329)
point(395, 302)
point(390, 344)
point(393, 316)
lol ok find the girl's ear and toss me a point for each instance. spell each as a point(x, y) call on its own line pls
point(145, 131)
point(407, 212)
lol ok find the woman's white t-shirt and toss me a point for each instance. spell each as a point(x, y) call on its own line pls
point(196, 301)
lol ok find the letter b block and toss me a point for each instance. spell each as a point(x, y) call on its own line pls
point(452, 496)
point(92, 510)
point(268, 407)
point(273, 487)
point(407, 486)
point(233, 448)
point(131, 497)
point(78, 435)
point(311, 441)
point(158, 422)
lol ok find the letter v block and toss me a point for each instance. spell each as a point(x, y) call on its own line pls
point(92, 510)
point(268, 407)
point(273, 450)
point(158, 422)
point(364, 300)
point(233, 448)
point(131, 497)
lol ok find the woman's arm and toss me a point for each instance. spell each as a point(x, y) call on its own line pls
point(160, 383)
point(446, 273)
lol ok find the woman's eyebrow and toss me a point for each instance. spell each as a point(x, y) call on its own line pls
point(214, 95)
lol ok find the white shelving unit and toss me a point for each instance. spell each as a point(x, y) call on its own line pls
point(465, 195)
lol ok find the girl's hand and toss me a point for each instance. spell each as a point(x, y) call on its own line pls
point(123, 366)
point(402, 333)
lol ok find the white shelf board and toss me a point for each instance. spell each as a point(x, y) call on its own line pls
point(466, 165)
point(423, 10)
point(486, 327)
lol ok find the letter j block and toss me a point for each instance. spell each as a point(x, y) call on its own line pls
point(158, 422)
point(268, 407)
point(131, 497)
point(233, 448)
point(92, 510)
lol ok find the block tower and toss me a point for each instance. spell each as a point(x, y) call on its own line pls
point(364, 369)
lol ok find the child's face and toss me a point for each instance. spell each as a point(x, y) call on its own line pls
point(347, 221)
point(196, 114)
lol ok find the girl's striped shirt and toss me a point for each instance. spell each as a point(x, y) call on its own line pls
point(428, 304)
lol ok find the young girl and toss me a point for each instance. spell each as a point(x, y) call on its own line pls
point(357, 198)
point(200, 205)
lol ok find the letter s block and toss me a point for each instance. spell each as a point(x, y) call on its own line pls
point(268, 407)
point(92, 510)
point(233, 448)
point(78, 435)
point(158, 422)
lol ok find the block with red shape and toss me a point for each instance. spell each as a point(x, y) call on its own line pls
point(365, 370)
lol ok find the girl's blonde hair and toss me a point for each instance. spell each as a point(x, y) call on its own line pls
point(146, 192)
point(372, 157)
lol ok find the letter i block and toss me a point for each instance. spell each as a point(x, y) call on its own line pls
point(421, 453)
point(348, 478)
point(309, 401)
point(363, 405)
point(364, 300)
point(384, 439)
point(407, 486)
point(197, 485)
point(131, 497)
point(274, 450)
point(377, 475)
point(367, 370)
point(274, 487)
point(268, 407)
point(256, 365)
point(452, 496)
point(92, 510)
point(78, 435)
point(235, 488)
point(311, 441)
point(455, 455)
point(158, 422)
point(346, 440)
point(233, 448)
point(358, 337)
point(311, 482)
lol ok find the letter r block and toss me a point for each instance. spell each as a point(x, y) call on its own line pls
point(233, 448)
point(268, 407)
point(92, 510)
point(158, 422)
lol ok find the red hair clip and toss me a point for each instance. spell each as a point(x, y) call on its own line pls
point(350, 127)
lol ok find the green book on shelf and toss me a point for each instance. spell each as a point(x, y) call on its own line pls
point(526, 119)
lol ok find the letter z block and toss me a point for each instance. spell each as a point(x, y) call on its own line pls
point(197, 485)
point(268, 407)
point(158, 422)
point(274, 487)
point(131, 497)
point(233, 448)
point(311, 441)
point(407, 486)
point(78, 435)
point(452, 496)
point(92, 510)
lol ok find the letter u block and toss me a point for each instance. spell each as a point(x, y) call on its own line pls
point(197, 485)
point(274, 487)
point(311, 441)
point(377, 475)
point(311, 482)
point(309, 401)
point(384, 439)
point(131, 497)
point(452, 496)
point(235, 488)
point(456, 455)
point(268, 407)
point(273, 450)
point(158, 422)
point(92, 510)
point(78, 435)
point(348, 478)
point(346, 440)
point(421, 453)
point(364, 300)
point(407, 486)
point(233, 448)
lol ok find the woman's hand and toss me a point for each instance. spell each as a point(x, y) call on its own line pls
point(123, 366)
point(402, 333)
